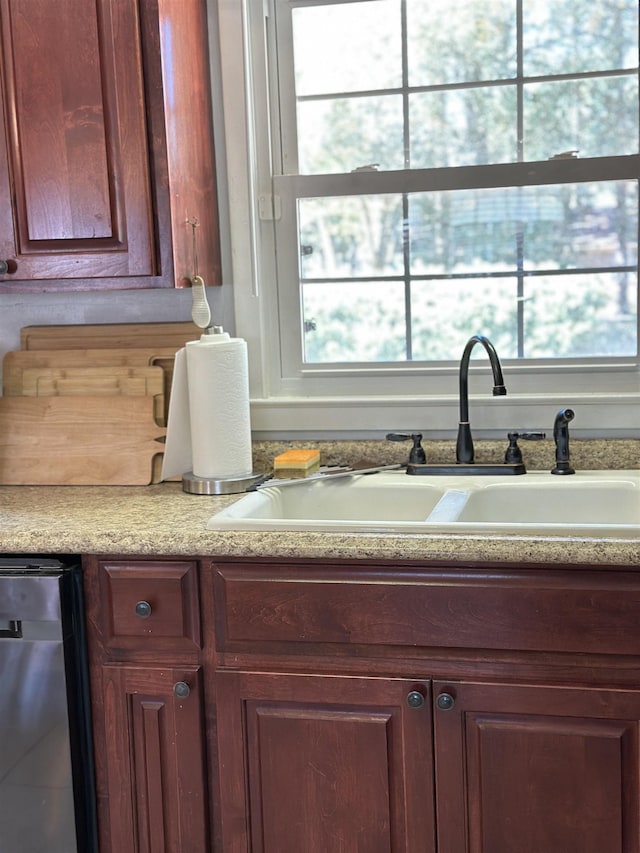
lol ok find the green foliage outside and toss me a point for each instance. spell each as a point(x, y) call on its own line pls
point(551, 232)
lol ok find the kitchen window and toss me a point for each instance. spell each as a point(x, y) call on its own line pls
point(419, 171)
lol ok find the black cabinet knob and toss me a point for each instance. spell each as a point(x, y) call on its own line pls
point(445, 701)
point(143, 609)
point(181, 689)
point(415, 699)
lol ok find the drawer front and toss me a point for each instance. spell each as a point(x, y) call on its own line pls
point(543, 610)
point(150, 605)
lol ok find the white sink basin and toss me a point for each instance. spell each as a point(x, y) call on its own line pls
point(566, 502)
point(388, 500)
point(589, 503)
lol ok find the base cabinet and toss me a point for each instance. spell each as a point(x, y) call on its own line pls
point(155, 766)
point(332, 764)
point(479, 709)
point(328, 764)
point(309, 707)
point(536, 768)
point(148, 707)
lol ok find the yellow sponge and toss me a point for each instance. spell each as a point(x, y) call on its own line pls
point(296, 463)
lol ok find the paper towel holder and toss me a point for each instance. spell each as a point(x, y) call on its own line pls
point(195, 485)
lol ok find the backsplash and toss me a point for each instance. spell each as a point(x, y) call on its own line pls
point(593, 454)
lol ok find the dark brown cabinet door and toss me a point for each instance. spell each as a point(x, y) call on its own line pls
point(536, 769)
point(324, 764)
point(100, 173)
point(155, 759)
point(76, 157)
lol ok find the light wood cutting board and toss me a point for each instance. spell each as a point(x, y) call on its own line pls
point(109, 336)
point(78, 441)
point(96, 381)
point(16, 362)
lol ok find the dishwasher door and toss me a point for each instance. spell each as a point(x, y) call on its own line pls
point(37, 655)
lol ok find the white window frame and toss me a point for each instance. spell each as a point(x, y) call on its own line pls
point(356, 401)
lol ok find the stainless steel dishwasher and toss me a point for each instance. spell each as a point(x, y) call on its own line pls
point(47, 799)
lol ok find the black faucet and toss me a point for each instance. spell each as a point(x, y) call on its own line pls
point(464, 444)
point(561, 438)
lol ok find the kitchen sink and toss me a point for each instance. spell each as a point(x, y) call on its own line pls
point(387, 500)
point(566, 502)
point(588, 503)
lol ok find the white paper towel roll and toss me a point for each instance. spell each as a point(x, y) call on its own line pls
point(209, 429)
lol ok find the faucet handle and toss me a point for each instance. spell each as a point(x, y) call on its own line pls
point(513, 453)
point(417, 454)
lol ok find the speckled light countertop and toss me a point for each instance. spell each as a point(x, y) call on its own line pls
point(162, 520)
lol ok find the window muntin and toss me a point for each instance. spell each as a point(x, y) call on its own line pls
point(362, 268)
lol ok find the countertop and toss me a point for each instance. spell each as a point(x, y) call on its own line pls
point(162, 520)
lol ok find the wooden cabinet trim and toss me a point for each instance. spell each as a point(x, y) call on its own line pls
point(492, 608)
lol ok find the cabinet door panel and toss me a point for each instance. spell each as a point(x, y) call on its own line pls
point(75, 180)
point(329, 770)
point(107, 167)
point(537, 769)
point(155, 760)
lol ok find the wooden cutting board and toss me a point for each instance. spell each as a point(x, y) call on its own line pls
point(15, 363)
point(109, 336)
point(78, 441)
point(96, 381)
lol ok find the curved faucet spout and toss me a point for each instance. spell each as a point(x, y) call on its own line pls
point(464, 444)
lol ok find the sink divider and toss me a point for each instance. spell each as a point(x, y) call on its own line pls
point(449, 506)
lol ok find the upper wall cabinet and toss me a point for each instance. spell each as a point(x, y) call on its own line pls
point(107, 174)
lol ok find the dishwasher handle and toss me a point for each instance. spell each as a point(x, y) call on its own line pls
point(11, 630)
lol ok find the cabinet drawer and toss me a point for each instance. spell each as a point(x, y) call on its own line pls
point(150, 605)
point(538, 610)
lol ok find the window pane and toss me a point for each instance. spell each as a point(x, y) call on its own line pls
point(342, 134)
point(569, 37)
point(567, 316)
point(349, 47)
point(596, 117)
point(351, 236)
point(469, 231)
point(581, 315)
point(458, 41)
point(358, 321)
point(446, 313)
point(579, 225)
point(463, 127)
point(546, 227)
